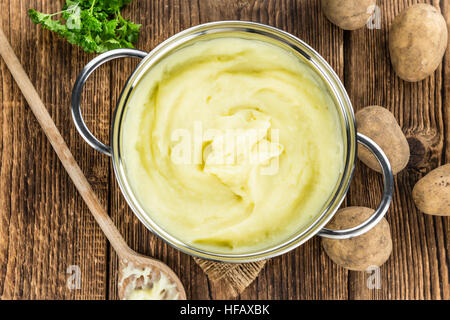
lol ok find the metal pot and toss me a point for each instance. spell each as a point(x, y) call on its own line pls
point(245, 30)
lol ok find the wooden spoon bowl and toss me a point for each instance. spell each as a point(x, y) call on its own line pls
point(141, 263)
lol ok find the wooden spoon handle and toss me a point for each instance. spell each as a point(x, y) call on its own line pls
point(61, 149)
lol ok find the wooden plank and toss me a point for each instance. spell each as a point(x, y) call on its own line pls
point(418, 267)
point(445, 5)
point(304, 273)
point(162, 19)
point(444, 242)
point(45, 227)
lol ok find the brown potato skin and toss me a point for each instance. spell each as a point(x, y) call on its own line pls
point(348, 14)
point(431, 194)
point(380, 125)
point(417, 42)
point(372, 248)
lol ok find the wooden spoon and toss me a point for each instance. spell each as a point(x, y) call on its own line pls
point(128, 259)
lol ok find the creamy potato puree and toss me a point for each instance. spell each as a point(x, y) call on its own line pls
point(221, 90)
point(146, 284)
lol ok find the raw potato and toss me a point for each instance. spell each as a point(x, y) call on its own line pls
point(432, 193)
point(348, 14)
point(380, 125)
point(417, 42)
point(372, 248)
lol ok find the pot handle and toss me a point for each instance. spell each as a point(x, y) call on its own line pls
point(78, 88)
point(388, 180)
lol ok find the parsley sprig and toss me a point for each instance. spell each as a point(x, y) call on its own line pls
point(94, 25)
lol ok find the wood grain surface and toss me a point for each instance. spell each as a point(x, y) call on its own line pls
point(46, 231)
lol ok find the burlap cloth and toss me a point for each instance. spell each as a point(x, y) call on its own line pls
point(230, 279)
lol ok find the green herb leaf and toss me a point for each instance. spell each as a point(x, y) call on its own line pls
point(94, 25)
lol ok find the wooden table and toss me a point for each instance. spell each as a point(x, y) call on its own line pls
point(47, 233)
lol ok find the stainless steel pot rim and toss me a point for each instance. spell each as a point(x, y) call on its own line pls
point(321, 67)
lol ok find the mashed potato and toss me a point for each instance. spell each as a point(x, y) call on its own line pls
point(232, 145)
